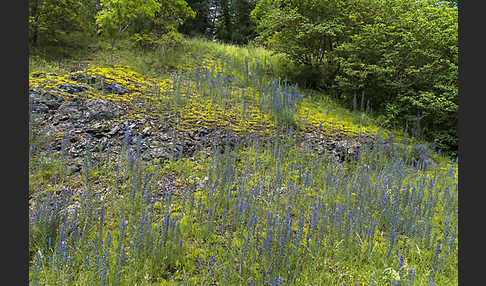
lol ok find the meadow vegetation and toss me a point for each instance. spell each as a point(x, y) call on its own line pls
point(265, 212)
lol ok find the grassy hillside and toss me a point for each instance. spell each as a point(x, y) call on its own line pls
point(267, 210)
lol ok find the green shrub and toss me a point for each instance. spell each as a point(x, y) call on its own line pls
point(171, 39)
point(406, 64)
point(402, 55)
point(144, 41)
point(150, 41)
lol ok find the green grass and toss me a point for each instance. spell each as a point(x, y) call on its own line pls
point(161, 63)
point(269, 213)
point(202, 239)
point(40, 64)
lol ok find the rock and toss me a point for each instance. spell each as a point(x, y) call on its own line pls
point(77, 149)
point(40, 107)
point(93, 110)
point(97, 130)
point(99, 109)
point(177, 151)
point(132, 126)
point(71, 111)
point(84, 78)
point(164, 137)
point(146, 131)
point(346, 149)
point(73, 88)
point(114, 130)
point(43, 101)
point(154, 143)
point(102, 144)
point(161, 153)
point(113, 87)
point(95, 119)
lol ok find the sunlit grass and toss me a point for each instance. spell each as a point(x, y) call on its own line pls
point(267, 212)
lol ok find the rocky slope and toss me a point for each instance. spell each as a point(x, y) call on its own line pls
point(75, 120)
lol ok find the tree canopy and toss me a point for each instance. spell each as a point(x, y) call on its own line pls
point(51, 20)
point(401, 55)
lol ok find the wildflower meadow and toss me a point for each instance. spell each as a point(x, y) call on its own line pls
point(268, 210)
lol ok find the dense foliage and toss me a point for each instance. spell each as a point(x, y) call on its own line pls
point(115, 16)
point(406, 63)
point(202, 24)
point(148, 31)
point(51, 21)
point(400, 56)
point(65, 23)
point(224, 20)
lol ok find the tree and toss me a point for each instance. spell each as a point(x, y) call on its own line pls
point(201, 24)
point(244, 27)
point(150, 32)
point(224, 20)
point(173, 15)
point(116, 16)
point(51, 20)
point(401, 54)
point(308, 32)
point(406, 61)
